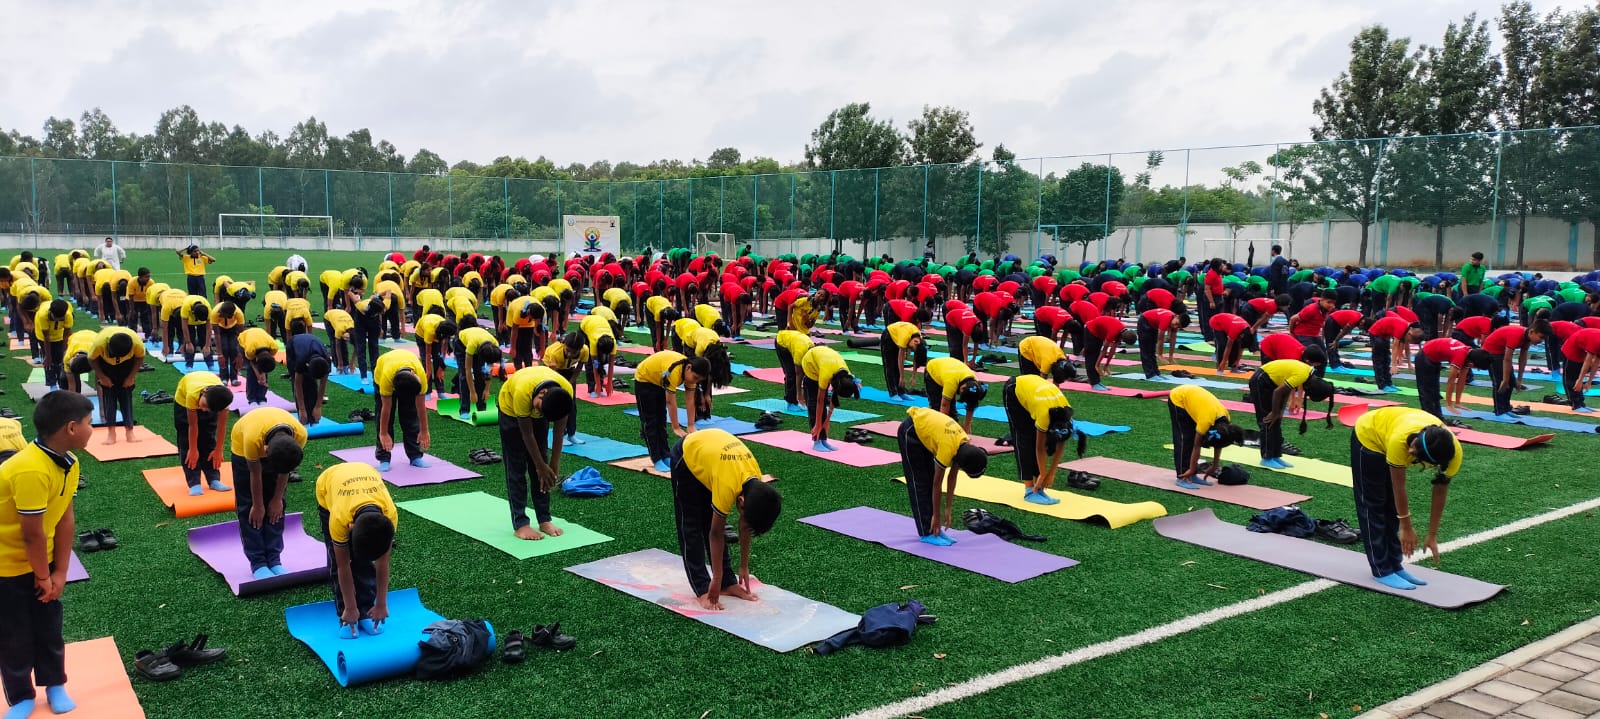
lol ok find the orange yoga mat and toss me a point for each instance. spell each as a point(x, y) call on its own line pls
point(97, 682)
point(174, 492)
point(150, 444)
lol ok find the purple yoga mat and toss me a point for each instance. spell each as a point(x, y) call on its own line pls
point(985, 554)
point(273, 400)
point(218, 545)
point(402, 474)
point(75, 570)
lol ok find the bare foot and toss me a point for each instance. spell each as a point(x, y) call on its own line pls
point(741, 593)
point(130, 438)
point(528, 533)
point(111, 438)
point(550, 529)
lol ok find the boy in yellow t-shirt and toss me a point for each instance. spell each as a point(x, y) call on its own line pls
point(195, 262)
point(200, 419)
point(37, 485)
point(358, 525)
point(397, 377)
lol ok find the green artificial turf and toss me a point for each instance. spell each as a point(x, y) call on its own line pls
point(1335, 652)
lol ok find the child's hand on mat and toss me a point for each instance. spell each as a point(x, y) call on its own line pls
point(274, 511)
point(706, 602)
point(348, 618)
point(678, 431)
point(380, 612)
point(257, 513)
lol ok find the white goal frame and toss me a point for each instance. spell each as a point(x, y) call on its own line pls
point(261, 217)
point(724, 244)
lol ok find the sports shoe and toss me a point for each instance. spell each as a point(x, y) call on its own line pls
point(1291, 450)
point(1337, 531)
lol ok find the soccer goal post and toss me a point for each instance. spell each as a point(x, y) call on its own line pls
point(722, 243)
point(251, 231)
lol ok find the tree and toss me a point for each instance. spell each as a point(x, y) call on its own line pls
point(1235, 206)
point(1446, 177)
point(723, 158)
point(851, 139)
point(942, 136)
point(426, 162)
point(1293, 203)
point(1526, 158)
point(1365, 103)
point(1082, 201)
point(1567, 86)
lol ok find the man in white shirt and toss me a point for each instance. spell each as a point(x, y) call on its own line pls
point(112, 253)
point(297, 262)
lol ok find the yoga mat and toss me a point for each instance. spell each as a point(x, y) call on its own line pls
point(35, 390)
point(241, 405)
point(854, 455)
point(782, 621)
point(174, 492)
point(352, 382)
point(1245, 409)
point(1202, 528)
point(184, 368)
point(1404, 391)
point(152, 351)
point(1206, 347)
point(617, 397)
point(75, 569)
point(730, 389)
point(328, 428)
point(1349, 415)
point(1528, 420)
point(17, 344)
point(602, 449)
point(97, 681)
point(766, 374)
point(726, 424)
point(877, 359)
point(891, 428)
point(640, 464)
point(368, 658)
point(776, 404)
point(1375, 399)
point(94, 401)
point(1115, 391)
point(984, 554)
point(218, 545)
point(1072, 506)
point(1244, 495)
point(149, 444)
point(450, 409)
point(1303, 466)
point(401, 473)
point(482, 517)
point(1093, 429)
point(36, 375)
point(873, 394)
point(737, 368)
point(1169, 379)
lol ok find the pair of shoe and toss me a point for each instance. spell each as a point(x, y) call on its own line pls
point(1453, 422)
point(1291, 450)
point(546, 636)
point(1554, 399)
point(484, 455)
point(768, 421)
point(1523, 410)
point(168, 664)
point(159, 396)
point(9, 413)
point(1082, 480)
point(1337, 531)
point(361, 414)
point(1182, 374)
point(96, 539)
point(857, 435)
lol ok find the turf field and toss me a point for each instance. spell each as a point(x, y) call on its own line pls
point(1330, 653)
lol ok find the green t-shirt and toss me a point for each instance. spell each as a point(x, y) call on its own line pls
point(1473, 274)
point(1384, 284)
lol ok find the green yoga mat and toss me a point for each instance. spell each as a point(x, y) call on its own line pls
point(452, 407)
point(482, 517)
point(1206, 347)
point(1372, 389)
point(36, 376)
point(877, 359)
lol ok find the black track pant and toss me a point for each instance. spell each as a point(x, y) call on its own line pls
point(262, 546)
point(207, 441)
point(1149, 348)
point(922, 476)
point(1261, 390)
point(1375, 510)
point(403, 411)
point(1381, 361)
point(653, 421)
point(691, 507)
point(1427, 372)
point(522, 481)
point(363, 573)
point(1022, 433)
point(1184, 436)
point(791, 376)
point(31, 647)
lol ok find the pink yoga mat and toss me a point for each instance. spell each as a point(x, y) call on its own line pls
point(766, 374)
point(611, 400)
point(854, 455)
point(891, 428)
point(984, 554)
point(1244, 495)
point(401, 473)
point(218, 545)
point(1116, 391)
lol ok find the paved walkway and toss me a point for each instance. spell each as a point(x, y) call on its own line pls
point(1555, 678)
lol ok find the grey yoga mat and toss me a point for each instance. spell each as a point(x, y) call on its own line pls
point(1202, 528)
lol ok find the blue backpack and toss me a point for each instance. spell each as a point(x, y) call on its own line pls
point(586, 482)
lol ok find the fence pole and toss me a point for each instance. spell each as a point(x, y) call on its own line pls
point(450, 205)
point(791, 212)
point(115, 230)
point(924, 203)
point(1038, 207)
point(33, 184)
point(327, 200)
point(875, 172)
point(1183, 217)
point(635, 217)
point(559, 230)
point(1105, 230)
point(977, 241)
point(261, 200)
point(722, 199)
point(1377, 192)
point(1274, 195)
point(661, 214)
point(833, 188)
point(755, 205)
point(391, 205)
point(691, 214)
point(1494, 205)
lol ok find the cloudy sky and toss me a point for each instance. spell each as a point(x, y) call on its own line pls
point(639, 80)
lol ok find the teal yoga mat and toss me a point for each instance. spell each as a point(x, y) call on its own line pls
point(602, 449)
point(1093, 429)
point(480, 516)
point(726, 424)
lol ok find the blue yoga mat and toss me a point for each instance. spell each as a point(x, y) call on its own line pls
point(367, 658)
point(1169, 379)
point(1528, 421)
point(726, 424)
point(602, 449)
point(739, 369)
point(873, 394)
point(351, 382)
point(775, 404)
point(95, 401)
point(199, 366)
point(329, 428)
point(1093, 429)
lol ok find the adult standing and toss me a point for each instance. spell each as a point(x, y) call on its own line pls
point(112, 253)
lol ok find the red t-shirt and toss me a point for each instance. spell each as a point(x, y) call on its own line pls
point(1214, 282)
point(923, 291)
point(1446, 350)
point(731, 291)
point(902, 309)
point(1115, 289)
point(1098, 299)
point(961, 320)
point(1583, 342)
point(1052, 316)
point(1230, 324)
point(1345, 318)
point(982, 283)
point(953, 305)
point(1073, 292)
point(1160, 298)
point(1563, 329)
point(1280, 347)
point(989, 303)
point(851, 289)
point(1264, 305)
point(1590, 321)
point(1389, 328)
point(1083, 311)
point(1161, 318)
point(1405, 312)
point(896, 289)
point(1009, 287)
point(1507, 337)
point(1476, 327)
point(1105, 327)
point(1043, 283)
point(1309, 322)
point(786, 298)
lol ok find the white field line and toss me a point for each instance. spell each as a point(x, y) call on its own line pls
point(1040, 667)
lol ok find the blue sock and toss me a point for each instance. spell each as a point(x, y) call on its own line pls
point(1100, 388)
point(1041, 498)
point(278, 570)
point(196, 490)
point(1200, 480)
point(20, 710)
point(368, 626)
point(218, 486)
point(1284, 463)
point(384, 466)
point(1583, 410)
point(794, 408)
point(1395, 581)
point(420, 462)
point(946, 537)
point(821, 445)
point(575, 439)
point(663, 466)
point(936, 540)
point(262, 573)
point(1407, 576)
point(1274, 463)
point(60, 703)
point(1186, 484)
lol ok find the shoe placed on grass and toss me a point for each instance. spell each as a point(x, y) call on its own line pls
point(88, 542)
point(194, 653)
point(550, 637)
point(1291, 450)
point(516, 649)
point(1082, 480)
point(108, 540)
point(155, 666)
point(1523, 410)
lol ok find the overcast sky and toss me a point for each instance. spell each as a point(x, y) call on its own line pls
point(647, 79)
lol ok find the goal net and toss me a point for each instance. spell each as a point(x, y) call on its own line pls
point(722, 244)
point(249, 231)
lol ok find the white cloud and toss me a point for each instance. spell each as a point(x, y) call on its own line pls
point(641, 80)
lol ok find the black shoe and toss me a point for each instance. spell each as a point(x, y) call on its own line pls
point(88, 541)
point(550, 637)
point(1337, 531)
point(768, 421)
point(1183, 374)
point(155, 666)
point(1554, 399)
point(1453, 422)
point(1291, 450)
point(82, 483)
point(1523, 410)
point(1082, 480)
point(1004, 441)
point(195, 653)
point(108, 540)
point(515, 650)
